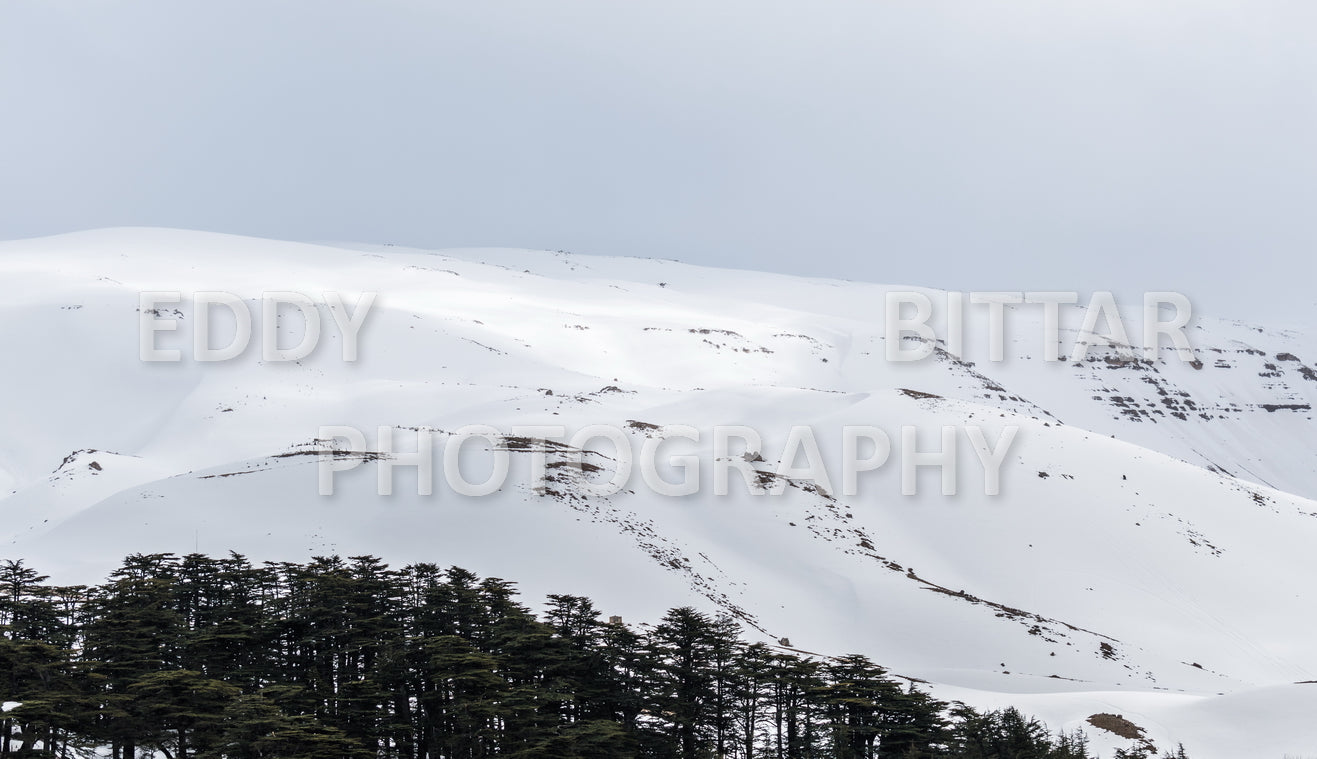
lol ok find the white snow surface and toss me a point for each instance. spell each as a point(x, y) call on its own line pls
point(1150, 553)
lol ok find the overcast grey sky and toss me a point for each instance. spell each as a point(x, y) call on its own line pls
point(1120, 144)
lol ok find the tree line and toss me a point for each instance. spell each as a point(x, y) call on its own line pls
point(198, 657)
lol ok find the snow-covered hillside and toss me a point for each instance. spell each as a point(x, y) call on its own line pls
point(1150, 548)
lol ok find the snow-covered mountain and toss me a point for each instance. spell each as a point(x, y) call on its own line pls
point(1149, 552)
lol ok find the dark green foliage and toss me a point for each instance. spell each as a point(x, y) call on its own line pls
point(205, 658)
point(1008, 734)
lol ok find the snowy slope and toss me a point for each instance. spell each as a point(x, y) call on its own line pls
point(1149, 550)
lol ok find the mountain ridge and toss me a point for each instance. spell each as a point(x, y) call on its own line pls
point(1158, 508)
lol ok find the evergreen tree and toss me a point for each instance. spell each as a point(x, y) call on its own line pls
point(795, 707)
point(465, 702)
point(205, 658)
point(180, 710)
point(254, 728)
point(751, 694)
point(132, 631)
point(686, 690)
